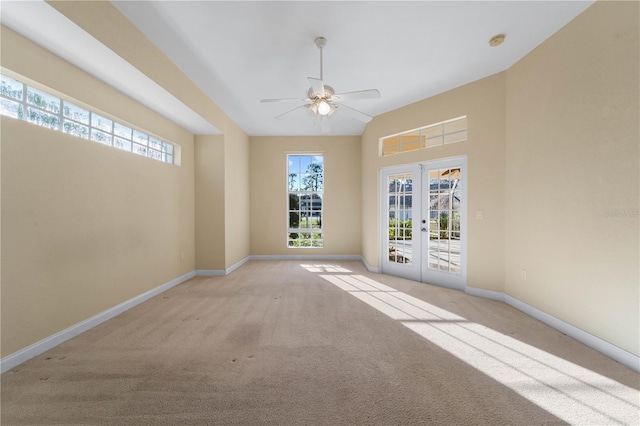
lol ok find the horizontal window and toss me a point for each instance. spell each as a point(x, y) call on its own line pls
point(18, 100)
point(437, 134)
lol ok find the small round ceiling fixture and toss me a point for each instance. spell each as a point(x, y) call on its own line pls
point(496, 40)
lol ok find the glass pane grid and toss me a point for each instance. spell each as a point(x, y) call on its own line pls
point(444, 220)
point(399, 213)
point(305, 185)
point(438, 134)
point(18, 100)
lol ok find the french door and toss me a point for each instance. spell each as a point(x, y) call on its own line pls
point(423, 222)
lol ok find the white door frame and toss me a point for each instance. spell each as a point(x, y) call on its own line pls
point(415, 271)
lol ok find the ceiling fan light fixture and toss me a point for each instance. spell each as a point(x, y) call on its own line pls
point(323, 107)
point(323, 101)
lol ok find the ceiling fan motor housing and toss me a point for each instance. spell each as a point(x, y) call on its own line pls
point(328, 93)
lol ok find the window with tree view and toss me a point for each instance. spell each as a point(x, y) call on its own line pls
point(305, 184)
point(21, 101)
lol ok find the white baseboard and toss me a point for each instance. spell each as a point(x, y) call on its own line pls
point(17, 358)
point(210, 272)
point(221, 272)
point(375, 270)
point(486, 294)
point(623, 357)
point(236, 265)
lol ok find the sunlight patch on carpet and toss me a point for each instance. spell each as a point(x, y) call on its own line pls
point(570, 392)
point(324, 268)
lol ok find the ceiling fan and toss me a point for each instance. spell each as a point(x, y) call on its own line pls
point(323, 102)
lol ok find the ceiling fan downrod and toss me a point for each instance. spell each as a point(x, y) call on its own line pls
point(321, 42)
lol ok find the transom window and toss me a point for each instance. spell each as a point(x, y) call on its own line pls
point(24, 102)
point(305, 186)
point(437, 134)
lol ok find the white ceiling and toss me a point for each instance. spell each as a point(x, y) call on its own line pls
point(241, 52)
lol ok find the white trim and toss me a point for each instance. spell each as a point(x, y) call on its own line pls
point(623, 357)
point(486, 294)
point(374, 269)
point(17, 358)
point(221, 272)
point(236, 265)
point(210, 272)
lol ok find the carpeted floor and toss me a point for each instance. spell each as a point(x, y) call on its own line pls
point(278, 343)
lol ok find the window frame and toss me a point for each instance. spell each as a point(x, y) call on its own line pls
point(312, 237)
point(424, 137)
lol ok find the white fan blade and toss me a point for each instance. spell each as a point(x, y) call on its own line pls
point(317, 86)
point(360, 94)
point(355, 113)
point(283, 100)
point(281, 116)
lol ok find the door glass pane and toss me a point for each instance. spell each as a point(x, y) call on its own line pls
point(455, 200)
point(444, 220)
point(433, 257)
point(400, 223)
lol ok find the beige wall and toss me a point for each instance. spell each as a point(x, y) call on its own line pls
point(85, 226)
point(342, 200)
point(222, 200)
point(572, 155)
point(99, 19)
point(483, 102)
point(236, 197)
point(210, 202)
